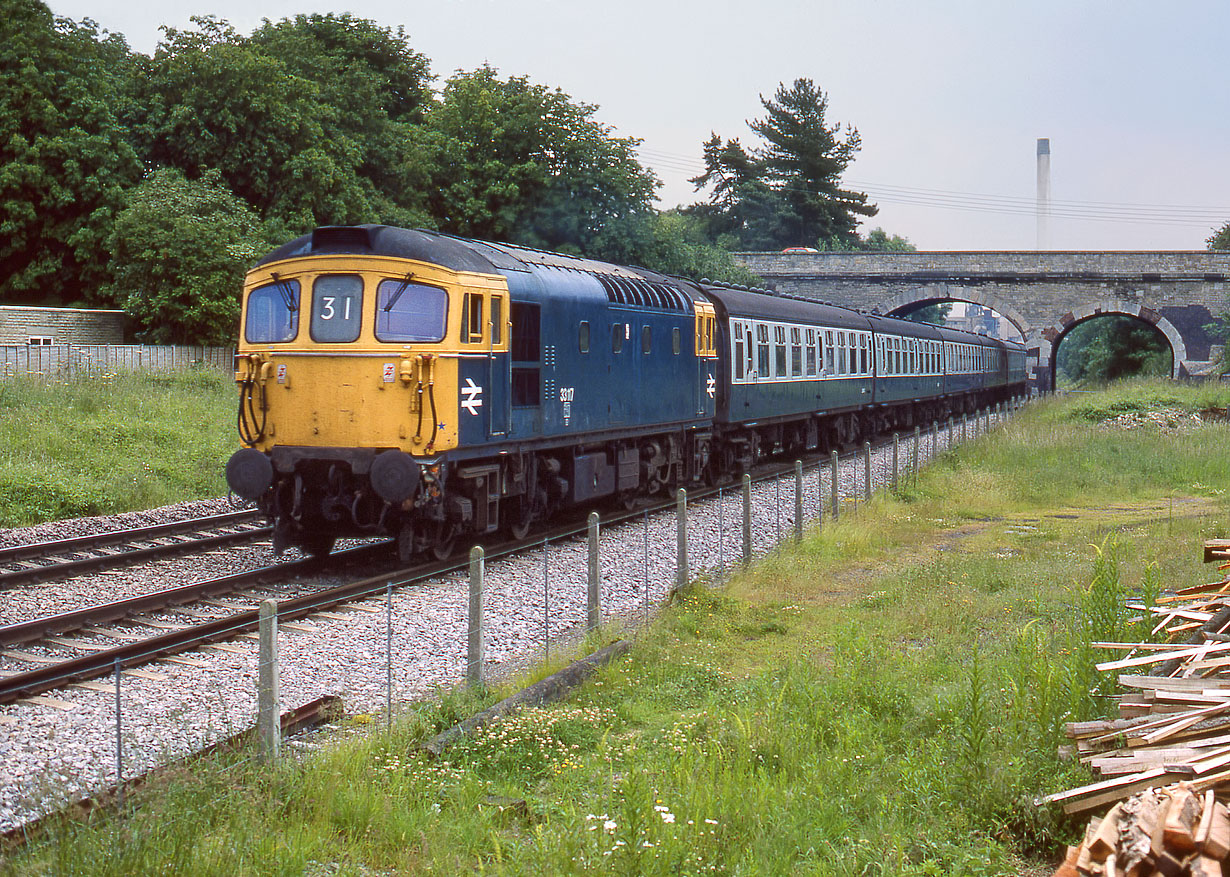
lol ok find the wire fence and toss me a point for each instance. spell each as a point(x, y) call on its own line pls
point(493, 613)
point(64, 361)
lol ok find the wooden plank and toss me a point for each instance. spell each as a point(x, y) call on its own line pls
point(1145, 660)
point(1216, 549)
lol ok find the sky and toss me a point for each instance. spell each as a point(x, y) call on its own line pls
point(949, 96)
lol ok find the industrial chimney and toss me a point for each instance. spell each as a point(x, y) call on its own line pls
point(1044, 189)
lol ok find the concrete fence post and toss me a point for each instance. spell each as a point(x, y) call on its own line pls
point(747, 518)
point(836, 488)
point(819, 494)
point(681, 539)
point(867, 471)
point(798, 500)
point(593, 612)
point(914, 465)
point(268, 712)
point(935, 436)
point(475, 640)
point(896, 442)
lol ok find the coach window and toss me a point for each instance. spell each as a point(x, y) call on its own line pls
point(337, 308)
point(762, 350)
point(796, 351)
point(829, 363)
point(676, 341)
point(779, 351)
point(862, 354)
point(811, 352)
point(738, 345)
point(646, 339)
point(583, 336)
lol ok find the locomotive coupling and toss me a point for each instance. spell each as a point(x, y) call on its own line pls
point(249, 473)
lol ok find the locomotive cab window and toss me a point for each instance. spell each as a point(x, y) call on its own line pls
point(472, 318)
point(497, 320)
point(408, 311)
point(273, 313)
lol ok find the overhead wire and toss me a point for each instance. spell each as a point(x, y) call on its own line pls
point(1010, 205)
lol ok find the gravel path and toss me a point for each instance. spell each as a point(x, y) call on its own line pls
point(52, 754)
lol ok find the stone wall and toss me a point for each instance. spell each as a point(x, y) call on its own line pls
point(77, 326)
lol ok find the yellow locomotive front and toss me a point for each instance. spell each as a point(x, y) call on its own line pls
point(348, 376)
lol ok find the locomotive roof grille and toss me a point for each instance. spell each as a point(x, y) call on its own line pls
point(641, 293)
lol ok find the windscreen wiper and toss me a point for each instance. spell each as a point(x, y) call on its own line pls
point(405, 284)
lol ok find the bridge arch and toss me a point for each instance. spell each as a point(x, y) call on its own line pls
point(935, 292)
point(1047, 340)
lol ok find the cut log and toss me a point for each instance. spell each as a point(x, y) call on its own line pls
point(1204, 866)
point(1181, 819)
point(1217, 844)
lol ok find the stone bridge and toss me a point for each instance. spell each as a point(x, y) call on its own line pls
point(1043, 294)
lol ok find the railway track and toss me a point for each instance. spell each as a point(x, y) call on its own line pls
point(63, 558)
point(224, 620)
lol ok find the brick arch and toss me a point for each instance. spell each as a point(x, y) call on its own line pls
point(955, 292)
point(1046, 339)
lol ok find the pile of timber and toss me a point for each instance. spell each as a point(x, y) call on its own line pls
point(1166, 758)
point(1167, 832)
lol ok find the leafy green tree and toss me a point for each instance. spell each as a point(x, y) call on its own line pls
point(880, 241)
point(677, 244)
point(786, 192)
point(179, 251)
point(211, 99)
point(64, 161)
point(380, 89)
point(1111, 347)
point(523, 163)
point(1220, 239)
point(936, 314)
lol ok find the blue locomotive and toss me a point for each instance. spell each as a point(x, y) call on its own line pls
point(418, 385)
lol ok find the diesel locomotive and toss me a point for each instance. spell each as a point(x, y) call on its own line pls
point(427, 387)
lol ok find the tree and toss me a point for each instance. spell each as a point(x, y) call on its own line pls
point(179, 251)
point(523, 163)
point(806, 158)
point(64, 161)
point(1220, 239)
point(677, 244)
point(880, 241)
point(211, 99)
point(786, 192)
point(936, 314)
point(381, 89)
point(1112, 347)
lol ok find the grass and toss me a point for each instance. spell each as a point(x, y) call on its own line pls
point(883, 698)
point(102, 445)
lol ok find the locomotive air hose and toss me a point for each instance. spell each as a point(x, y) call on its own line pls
point(431, 394)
